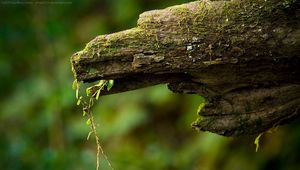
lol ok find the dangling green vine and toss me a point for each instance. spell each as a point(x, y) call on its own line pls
point(87, 102)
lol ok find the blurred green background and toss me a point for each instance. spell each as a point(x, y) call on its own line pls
point(42, 128)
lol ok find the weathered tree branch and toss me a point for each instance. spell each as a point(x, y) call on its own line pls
point(242, 55)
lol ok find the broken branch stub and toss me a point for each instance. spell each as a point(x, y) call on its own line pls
point(242, 55)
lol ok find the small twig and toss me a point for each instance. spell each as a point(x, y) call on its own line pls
point(99, 147)
point(87, 111)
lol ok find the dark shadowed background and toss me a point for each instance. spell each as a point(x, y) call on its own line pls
point(42, 128)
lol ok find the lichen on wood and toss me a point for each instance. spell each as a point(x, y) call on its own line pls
point(242, 55)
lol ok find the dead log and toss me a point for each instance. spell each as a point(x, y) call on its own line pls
point(241, 55)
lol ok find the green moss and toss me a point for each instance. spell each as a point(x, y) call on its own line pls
point(199, 119)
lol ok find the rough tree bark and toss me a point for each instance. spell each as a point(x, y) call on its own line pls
point(242, 56)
